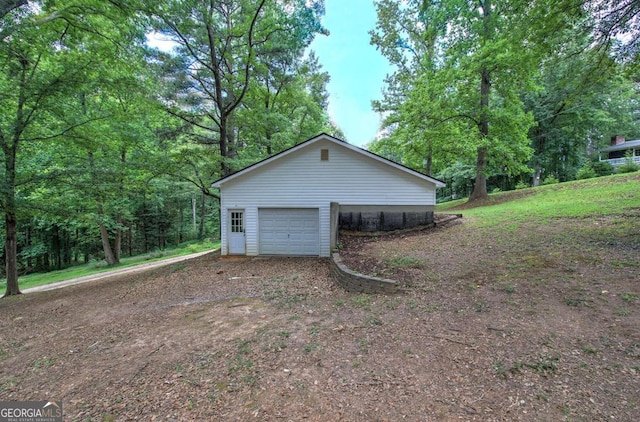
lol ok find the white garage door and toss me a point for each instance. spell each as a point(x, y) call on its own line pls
point(288, 231)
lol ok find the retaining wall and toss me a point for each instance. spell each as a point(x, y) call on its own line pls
point(373, 221)
point(359, 283)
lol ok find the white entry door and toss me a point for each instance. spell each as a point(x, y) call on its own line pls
point(236, 241)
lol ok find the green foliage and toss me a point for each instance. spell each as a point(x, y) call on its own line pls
point(550, 180)
point(117, 173)
point(403, 262)
point(629, 297)
point(521, 185)
point(629, 165)
point(61, 65)
point(253, 93)
point(602, 168)
point(101, 136)
point(459, 179)
point(362, 300)
point(454, 97)
point(465, 87)
point(586, 171)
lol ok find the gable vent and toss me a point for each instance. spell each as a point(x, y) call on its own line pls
point(324, 155)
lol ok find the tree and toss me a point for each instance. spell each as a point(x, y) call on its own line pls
point(468, 63)
point(617, 24)
point(32, 77)
point(44, 61)
point(577, 107)
point(582, 91)
point(418, 133)
point(220, 44)
point(286, 104)
point(7, 6)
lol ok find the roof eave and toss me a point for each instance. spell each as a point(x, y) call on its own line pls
point(622, 147)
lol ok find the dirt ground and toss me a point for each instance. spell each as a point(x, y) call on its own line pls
point(539, 323)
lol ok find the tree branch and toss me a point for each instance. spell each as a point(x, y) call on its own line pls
point(66, 130)
point(190, 120)
point(7, 6)
point(247, 65)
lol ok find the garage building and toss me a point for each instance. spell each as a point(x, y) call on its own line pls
point(290, 204)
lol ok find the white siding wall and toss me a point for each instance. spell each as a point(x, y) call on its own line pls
point(302, 180)
point(224, 227)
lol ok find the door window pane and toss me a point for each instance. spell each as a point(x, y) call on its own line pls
point(237, 222)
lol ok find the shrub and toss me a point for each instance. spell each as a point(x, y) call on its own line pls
point(586, 172)
point(521, 185)
point(629, 165)
point(550, 180)
point(602, 168)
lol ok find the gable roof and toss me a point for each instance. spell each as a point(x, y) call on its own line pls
point(339, 142)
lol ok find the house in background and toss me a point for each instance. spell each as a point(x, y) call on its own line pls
point(292, 203)
point(616, 154)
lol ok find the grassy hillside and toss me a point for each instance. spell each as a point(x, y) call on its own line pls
point(609, 195)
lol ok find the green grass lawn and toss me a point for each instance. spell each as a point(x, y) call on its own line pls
point(38, 279)
point(609, 195)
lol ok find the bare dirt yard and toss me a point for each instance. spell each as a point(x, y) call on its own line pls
point(541, 322)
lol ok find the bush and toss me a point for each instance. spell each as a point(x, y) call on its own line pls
point(550, 180)
point(586, 172)
point(521, 185)
point(602, 168)
point(629, 166)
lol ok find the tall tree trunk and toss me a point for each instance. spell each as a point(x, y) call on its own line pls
point(130, 237)
point(537, 175)
point(540, 146)
point(109, 256)
point(57, 246)
point(106, 246)
point(224, 168)
point(10, 150)
point(87, 249)
point(428, 160)
point(194, 216)
point(480, 185)
point(11, 254)
point(181, 226)
point(11, 222)
point(66, 251)
point(269, 147)
point(117, 244)
point(202, 216)
point(27, 243)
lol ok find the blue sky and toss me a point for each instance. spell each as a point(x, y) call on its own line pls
point(357, 69)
